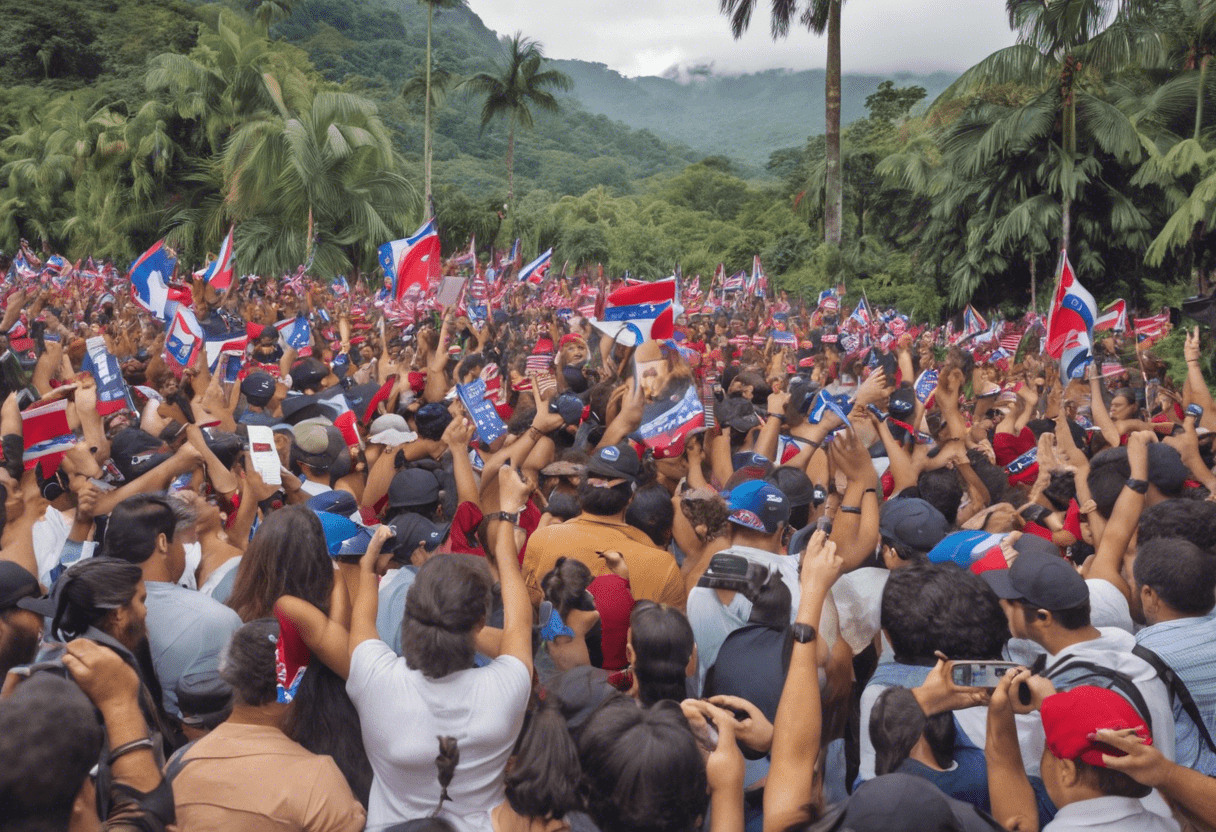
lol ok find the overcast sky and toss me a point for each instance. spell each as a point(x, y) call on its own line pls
point(645, 37)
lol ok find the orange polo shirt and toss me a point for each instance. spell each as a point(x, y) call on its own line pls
point(653, 573)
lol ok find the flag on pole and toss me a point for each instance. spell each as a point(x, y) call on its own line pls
point(150, 278)
point(1113, 318)
point(534, 272)
point(645, 312)
point(863, 314)
point(735, 282)
point(1071, 324)
point(759, 282)
point(413, 261)
point(183, 341)
point(219, 271)
point(1151, 328)
point(973, 322)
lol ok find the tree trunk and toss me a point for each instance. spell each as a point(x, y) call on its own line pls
point(511, 173)
point(1203, 79)
point(1070, 155)
point(426, 132)
point(834, 207)
point(1033, 265)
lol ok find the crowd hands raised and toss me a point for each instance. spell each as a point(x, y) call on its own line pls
point(969, 596)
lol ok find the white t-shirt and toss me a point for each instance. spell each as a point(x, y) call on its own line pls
point(403, 714)
point(49, 533)
point(1107, 606)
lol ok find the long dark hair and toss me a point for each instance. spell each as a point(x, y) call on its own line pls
point(543, 778)
point(287, 556)
point(565, 584)
point(450, 596)
point(662, 642)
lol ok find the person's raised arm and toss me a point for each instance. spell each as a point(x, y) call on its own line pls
point(436, 377)
point(766, 443)
point(1097, 407)
point(517, 606)
point(1124, 517)
point(1009, 790)
point(457, 436)
point(363, 605)
point(798, 727)
point(855, 530)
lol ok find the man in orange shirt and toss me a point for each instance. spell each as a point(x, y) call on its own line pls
point(603, 496)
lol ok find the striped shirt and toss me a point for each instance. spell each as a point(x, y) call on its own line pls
point(1188, 646)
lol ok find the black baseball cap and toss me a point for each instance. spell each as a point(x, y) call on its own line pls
point(136, 452)
point(738, 413)
point(16, 583)
point(258, 388)
point(308, 373)
point(912, 523)
point(413, 487)
point(414, 530)
point(1039, 576)
point(204, 699)
point(794, 484)
point(615, 462)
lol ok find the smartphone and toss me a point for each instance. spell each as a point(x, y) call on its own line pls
point(263, 454)
point(232, 367)
point(981, 674)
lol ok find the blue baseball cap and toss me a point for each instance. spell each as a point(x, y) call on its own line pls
point(343, 536)
point(758, 506)
point(964, 548)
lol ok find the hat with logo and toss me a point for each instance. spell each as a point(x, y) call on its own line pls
point(320, 445)
point(414, 530)
point(615, 462)
point(1072, 717)
point(258, 388)
point(1040, 577)
point(758, 506)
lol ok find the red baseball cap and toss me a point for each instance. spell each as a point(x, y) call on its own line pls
point(1071, 718)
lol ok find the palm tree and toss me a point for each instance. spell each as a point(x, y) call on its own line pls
point(430, 86)
point(819, 16)
point(520, 84)
point(269, 12)
point(1065, 48)
point(431, 5)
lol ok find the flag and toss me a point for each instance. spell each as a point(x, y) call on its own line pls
point(219, 271)
point(862, 314)
point(112, 394)
point(759, 282)
point(1070, 327)
point(973, 322)
point(735, 282)
point(149, 277)
point(1151, 328)
point(534, 272)
point(413, 261)
point(666, 433)
point(467, 257)
point(1011, 336)
point(516, 257)
point(1114, 318)
point(183, 341)
point(46, 435)
point(644, 312)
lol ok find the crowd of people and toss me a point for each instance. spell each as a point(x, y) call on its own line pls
point(510, 565)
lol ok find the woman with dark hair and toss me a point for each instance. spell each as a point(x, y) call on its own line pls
point(287, 557)
point(651, 511)
point(662, 652)
point(572, 634)
point(435, 691)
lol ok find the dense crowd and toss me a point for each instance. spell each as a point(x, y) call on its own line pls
point(550, 557)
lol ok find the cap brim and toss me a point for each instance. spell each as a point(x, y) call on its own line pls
point(1000, 583)
point(603, 471)
point(44, 606)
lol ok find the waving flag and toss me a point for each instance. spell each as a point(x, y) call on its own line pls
point(47, 437)
point(759, 282)
point(735, 282)
point(534, 272)
point(516, 257)
point(1071, 325)
point(973, 322)
point(220, 270)
point(1150, 329)
point(413, 261)
point(1114, 318)
point(645, 312)
point(863, 314)
point(183, 341)
point(150, 278)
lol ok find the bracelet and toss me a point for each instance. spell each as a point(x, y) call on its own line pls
point(871, 491)
point(1139, 486)
point(851, 509)
point(127, 748)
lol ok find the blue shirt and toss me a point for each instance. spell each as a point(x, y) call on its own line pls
point(1188, 646)
point(187, 632)
point(391, 609)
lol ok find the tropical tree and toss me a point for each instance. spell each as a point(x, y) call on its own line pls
point(1065, 48)
point(520, 83)
point(431, 86)
point(431, 5)
point(269, 12)
point(819, 16)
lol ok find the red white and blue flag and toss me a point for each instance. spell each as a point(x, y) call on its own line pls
point(735, 282)
point(644, 312)
point(1113, 318)
point(47, 436)
point(219, 272)
point(973, 322)
point(150, 278)
point(534, 272)
point(183, 341)
point(413, 261)
point(1071, 324)
point(863, 314)
point(759, 282)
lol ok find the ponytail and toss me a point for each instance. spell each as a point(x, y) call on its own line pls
point(448, 759)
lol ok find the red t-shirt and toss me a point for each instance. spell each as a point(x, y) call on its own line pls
point(1009, 447)
point(614, 602)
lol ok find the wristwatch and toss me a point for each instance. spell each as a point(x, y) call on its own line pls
point(802, 633)
point(513, 519)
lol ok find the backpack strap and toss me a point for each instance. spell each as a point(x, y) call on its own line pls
point(177, 762)
point(1121, 682)
point(1178, 690)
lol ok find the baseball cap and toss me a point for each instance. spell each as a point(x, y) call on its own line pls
point(794, 484)
point(412, 487)
point(203, 698)
point(738, 413)
point(414, 530)
point(359, 397)
point(615, 462)
point(1040, 577)
point(758, 506)
point(258, 388)
point(432, 420)
point(308, 373)
point(1072, 717)
point(964, 548)
point(16, 583)
point(320, 445)
point(136, 452)
point(390, 429)
point(570, 406)
point(912, 523)
point(334, 502)
point(343, 536)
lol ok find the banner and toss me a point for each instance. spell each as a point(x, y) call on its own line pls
point(481, 410)
point(666, 431)
point(183, 341)
point(112, 393)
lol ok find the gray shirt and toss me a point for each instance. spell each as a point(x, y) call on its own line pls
point(187, 631)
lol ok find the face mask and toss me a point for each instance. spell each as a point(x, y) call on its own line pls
point(194, 556)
